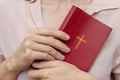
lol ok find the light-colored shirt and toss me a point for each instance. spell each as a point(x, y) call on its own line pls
point(18, 16)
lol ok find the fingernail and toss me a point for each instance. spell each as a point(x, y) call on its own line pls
point(61, 57)
point(67, 37)
point(67, 50)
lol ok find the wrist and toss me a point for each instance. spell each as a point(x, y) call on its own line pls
point(10, 64)
point(7, 73)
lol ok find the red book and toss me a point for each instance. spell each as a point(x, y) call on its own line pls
point(88, 36)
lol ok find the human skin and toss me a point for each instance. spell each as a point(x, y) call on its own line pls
point(39, 44)
point(58, 70)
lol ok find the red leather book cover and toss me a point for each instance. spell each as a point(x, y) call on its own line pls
point(88, 36)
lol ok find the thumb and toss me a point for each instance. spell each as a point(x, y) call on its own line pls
point(45, 64)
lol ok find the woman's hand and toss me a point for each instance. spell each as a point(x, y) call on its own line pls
point(39, 44)
point(58, 70)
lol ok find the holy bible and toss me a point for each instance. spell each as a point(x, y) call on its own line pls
point(88, 36)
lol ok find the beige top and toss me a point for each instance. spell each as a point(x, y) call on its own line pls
point(54, 11)
point(17, 16)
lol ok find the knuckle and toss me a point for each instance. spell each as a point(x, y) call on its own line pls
point(31, 56)
point(27, 44)
point(45, 55)
point(28, 54)
point(33, 37)
point(56, 54)
point(49, 49)
point(29, 36)
point(52, 52)
point(52, 41)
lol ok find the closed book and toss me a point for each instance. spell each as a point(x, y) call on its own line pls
point(88, 36)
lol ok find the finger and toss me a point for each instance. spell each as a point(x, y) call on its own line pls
point(50, 32)
point(35, 55)
point(45, 79)
point(41, 74)
point(46, 64)
point(47, 49)
point(52, 42)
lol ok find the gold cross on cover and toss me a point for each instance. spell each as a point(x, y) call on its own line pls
point(81, 39)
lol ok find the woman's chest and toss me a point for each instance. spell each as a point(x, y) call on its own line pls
point(18, 22)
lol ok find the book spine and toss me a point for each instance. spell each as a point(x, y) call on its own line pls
point(66, 20)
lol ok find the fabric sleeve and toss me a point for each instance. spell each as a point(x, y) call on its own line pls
point(117, 76)
point(1, 52)
point(116, 64)
point(116, 61)
point(116, 57)
point(1, 57)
